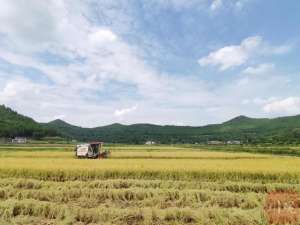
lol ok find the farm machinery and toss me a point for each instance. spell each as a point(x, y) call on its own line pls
point(92, 150)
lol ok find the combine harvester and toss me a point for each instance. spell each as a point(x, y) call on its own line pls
point(91, 150)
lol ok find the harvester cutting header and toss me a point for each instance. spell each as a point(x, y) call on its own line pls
point(92, 150)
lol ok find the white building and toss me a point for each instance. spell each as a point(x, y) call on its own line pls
point(19, 140)
point(150, 143)
point(234, 142)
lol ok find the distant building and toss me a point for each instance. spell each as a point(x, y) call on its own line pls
point(215, 142)
point(234, 142)
point(19, 140)
point(3, 140)
point(150, 143)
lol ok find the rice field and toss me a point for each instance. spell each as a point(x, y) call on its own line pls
point(140, 185)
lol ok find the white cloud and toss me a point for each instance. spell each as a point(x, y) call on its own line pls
point(19, 23)
point(231, 56)
point(240, 4)
point(260, 69)
point(61, 117)
point(100, 71)
point(276, 50)
point(290, 105)
point(237, 55)
point(19, 86)
point(211, 5)
point(258, 101)
point(102, 36)
point(216, 4)
point(105, 57)
point(125, 111)
point(176, 4)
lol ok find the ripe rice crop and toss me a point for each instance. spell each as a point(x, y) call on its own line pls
point(138, 185)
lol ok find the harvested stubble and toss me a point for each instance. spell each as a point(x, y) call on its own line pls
point(141, 188)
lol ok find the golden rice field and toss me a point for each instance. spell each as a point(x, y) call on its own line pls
point(140, 185)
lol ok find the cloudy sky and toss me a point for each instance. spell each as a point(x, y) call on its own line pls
point(183, 62)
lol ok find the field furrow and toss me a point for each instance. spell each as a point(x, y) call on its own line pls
point(141, 188)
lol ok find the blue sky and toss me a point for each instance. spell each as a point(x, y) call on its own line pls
point(179, 62)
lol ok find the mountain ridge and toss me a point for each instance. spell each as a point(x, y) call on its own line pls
point(243, 128)
point(14, 124)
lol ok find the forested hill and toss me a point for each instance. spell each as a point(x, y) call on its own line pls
point(245, 129)
point(13, 124)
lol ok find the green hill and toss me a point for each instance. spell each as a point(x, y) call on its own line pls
point(248, 130)
point(13, 124)
point(71, 131)
point(245, 129)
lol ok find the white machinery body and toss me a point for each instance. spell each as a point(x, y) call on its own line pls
point(82, 150)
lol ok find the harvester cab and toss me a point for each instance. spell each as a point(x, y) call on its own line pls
point(91, 150)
